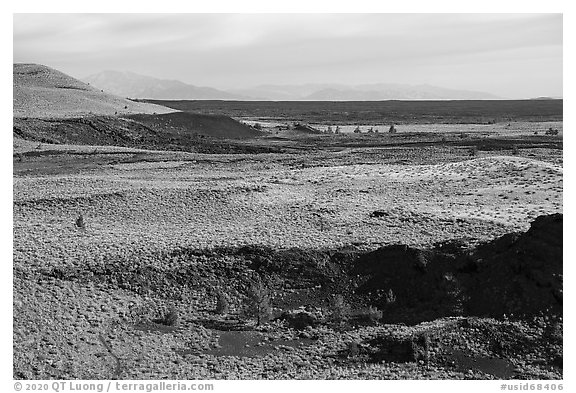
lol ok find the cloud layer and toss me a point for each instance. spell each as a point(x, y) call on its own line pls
point(508, 55)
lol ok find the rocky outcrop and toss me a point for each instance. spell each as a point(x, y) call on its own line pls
point(519, 275)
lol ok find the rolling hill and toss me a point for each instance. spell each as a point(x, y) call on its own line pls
point(52, 107)
point(42, 92)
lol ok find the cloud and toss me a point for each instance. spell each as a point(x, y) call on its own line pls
point(244, 49)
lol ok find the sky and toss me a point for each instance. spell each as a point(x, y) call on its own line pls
point(509, 55)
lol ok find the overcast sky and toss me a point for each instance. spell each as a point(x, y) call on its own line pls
point(510, 55)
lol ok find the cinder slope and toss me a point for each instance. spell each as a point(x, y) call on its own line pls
point(42, 92)
point(209, 125)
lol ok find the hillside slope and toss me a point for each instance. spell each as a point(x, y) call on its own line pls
point(42, 92)
point(219, 126)
point(195, 133)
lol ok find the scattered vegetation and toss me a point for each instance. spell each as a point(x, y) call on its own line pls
point(370, 315)
point(170, 318)
point(339, 309)
point(353, 349)
point(258, 302)
point(421, 347)
point(80, 223)
point(390, 297)
point(222, 305)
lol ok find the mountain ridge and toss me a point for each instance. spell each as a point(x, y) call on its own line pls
point(130, 84)
point(364, 92)
point(134, 85)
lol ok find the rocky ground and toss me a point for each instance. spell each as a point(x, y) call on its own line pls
point(131, 290)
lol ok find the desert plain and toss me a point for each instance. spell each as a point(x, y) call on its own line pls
point(431, 252)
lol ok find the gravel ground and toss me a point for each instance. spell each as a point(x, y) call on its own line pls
point(87, 328)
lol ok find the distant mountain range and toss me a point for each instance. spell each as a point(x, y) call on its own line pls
point(546, 98)
point(128, 84)
point(131, 85)
point(371, 92)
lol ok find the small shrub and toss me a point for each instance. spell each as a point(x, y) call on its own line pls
point(353, 349)
point(390, 297)
point(258, 302)
point(170, 318)
point(392, 129)
point(370, 315)
point(80, 223)
point(373, 314)
point(396, 349)
point(421, 347)
point(322, 222)
point(339, 310)
point(222, 305)
point(299, 319)
point(553, 331)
